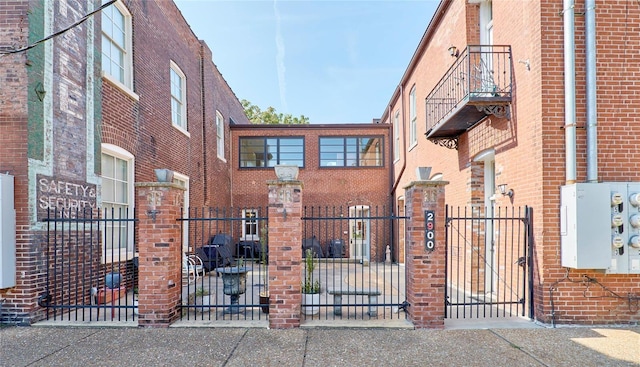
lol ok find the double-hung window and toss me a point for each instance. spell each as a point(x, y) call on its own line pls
point(117, 202)
point(116, 44)
point(220, 134)
point(396, 137)
point(178, 98)
point(351, 151)
point(271, 151)
point(413, 128)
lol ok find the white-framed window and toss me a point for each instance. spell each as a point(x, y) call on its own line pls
point(413, 128)
point(183, 181)
point(250, 225)
point(396, 137)
point(220, 135)
point(178, 97)
point(117, 60)
point(117, 203)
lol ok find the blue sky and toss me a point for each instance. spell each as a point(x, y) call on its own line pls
point(332, 61)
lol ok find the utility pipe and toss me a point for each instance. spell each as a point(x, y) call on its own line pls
point(592, 112)
point(569, 91)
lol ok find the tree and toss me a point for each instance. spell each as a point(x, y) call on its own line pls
point(270, 116)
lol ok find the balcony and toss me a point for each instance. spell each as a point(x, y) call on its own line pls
point(478, 84)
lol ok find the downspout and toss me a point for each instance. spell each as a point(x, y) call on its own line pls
point(404, 144)
point(569, 91)
point(592, 112)
point(203, 98)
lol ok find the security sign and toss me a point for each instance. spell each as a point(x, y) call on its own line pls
point(430, 230)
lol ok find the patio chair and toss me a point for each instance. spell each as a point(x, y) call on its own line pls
point(192, 267)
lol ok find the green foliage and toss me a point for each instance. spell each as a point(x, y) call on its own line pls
point(309, 285)
point(270, 116)
point(200, 292)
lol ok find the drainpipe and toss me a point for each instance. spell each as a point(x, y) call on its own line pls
point(569, 91)
point(592, 113)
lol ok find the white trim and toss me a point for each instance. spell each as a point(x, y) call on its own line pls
point(245, 236)
point(118, 152)
point(129, 92)
point(128, 46)
point(220, 138)
point(185, 212)
point(413, 117)
point(184, 126)
point(396, 137)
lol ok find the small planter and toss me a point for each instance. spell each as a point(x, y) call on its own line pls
point(313, 302)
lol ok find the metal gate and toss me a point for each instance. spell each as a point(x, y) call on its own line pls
point(91, 271)
point(488, 262)
point(353, 258)
point(226, 268)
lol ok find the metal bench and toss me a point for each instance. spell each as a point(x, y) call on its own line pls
point(339, 292)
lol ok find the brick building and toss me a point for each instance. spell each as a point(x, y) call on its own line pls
point(484, 102)
point(91, 112)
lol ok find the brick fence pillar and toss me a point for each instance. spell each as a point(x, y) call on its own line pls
point(285, 253)
point(426, 269)
point(160, 252)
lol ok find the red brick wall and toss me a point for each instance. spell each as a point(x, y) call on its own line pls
point(529, 148)
point(14, 27)
point(144, 127)
point(323, 186)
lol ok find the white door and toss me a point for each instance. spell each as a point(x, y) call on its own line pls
point(359, 232)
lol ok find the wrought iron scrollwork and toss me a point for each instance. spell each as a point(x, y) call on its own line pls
point(450, 143)
point(500, 111)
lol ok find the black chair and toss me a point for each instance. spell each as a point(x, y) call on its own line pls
point(217, 252)
point(313, 244)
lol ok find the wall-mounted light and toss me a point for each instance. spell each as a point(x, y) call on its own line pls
point(453, 51)
point(504, 191)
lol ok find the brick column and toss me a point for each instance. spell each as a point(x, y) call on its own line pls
point(285, 253)
point(159, 251)
point(426, 269)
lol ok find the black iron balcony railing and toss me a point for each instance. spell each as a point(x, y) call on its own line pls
point(477, 84)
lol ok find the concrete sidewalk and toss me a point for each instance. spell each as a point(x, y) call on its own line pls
point(68, 346)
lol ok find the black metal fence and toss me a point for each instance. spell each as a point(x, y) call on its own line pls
point(225, 267)
point(488, 261)
point(91, 271)
point(353, 258)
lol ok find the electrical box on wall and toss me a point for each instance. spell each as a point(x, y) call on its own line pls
point(585, 226)
point(7, 233)
point(600, 227)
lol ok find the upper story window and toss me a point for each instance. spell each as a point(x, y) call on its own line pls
point(178, 97)
point(351, 151)
point(413, 128)
point(220, 134)
point(117, 201)
point(270, 151)
point(117, 58)
point(396, 136)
